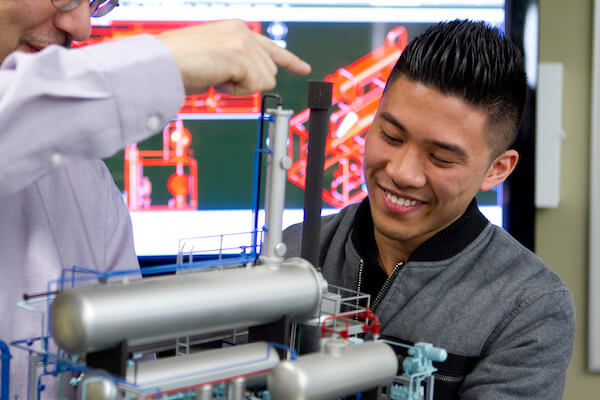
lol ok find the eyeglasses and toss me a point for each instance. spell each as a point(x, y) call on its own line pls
point(99, 7)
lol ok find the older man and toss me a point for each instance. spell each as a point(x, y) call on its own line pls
point(62, 109)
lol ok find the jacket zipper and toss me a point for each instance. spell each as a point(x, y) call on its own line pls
point(380, 295)
point(361, 265)
point(388, 282)
point(448, 378)
point(386, 285)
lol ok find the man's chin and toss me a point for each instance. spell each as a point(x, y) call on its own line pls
point(27, 48)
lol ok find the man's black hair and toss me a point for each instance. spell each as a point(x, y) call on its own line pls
point(476, 63)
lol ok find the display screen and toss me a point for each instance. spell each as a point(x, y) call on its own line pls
point(195, 177)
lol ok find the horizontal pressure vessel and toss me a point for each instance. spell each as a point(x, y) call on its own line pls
point(250, 361)
point(93, 318)
point(340, 372)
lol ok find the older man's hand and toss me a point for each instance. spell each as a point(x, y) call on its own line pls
point(226, 54)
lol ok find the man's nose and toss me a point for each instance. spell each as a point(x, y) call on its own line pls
point(406, 168)
point(75, 22)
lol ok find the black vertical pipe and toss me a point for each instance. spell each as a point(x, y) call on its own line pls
point(319, 103)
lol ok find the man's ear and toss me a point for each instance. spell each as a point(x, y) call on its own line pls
point(500, 169)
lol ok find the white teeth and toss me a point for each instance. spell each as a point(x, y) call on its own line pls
point(399, 200)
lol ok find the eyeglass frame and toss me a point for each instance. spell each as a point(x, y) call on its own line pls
point(99, 9)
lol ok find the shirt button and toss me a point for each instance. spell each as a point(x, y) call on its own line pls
point(56, 159)
point(153, 123)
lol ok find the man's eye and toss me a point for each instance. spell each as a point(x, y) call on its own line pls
point(390, 139)
point(441, 160)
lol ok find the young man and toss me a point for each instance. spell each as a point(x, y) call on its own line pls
point(436, 269)
point(62, 109)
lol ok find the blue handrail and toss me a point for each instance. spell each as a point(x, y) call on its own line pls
point(4, 381)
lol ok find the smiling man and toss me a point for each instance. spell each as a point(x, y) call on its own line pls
point(426, 157)
point(436, 269)
point(61, 109)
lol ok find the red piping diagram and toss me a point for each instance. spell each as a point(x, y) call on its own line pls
point(183, 184)
point(357, 90)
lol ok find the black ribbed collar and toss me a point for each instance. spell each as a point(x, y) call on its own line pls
point(444, 244)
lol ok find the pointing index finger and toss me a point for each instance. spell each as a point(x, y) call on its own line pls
point(284, 58)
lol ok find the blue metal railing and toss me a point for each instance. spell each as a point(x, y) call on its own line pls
point(4, 381)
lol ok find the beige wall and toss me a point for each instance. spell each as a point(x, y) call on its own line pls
point(561, 234)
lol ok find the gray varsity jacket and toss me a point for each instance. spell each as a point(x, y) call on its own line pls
point(506, 320)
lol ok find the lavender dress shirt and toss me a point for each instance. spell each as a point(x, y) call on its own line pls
point(60, 111)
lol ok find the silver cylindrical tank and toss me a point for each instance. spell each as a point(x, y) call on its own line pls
point(247, 364)
point(97, 388)
point(278, 163)
point(251, 360)
point(342, 371)
point(204, 392)
point(93, 318)
point(236, 389)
